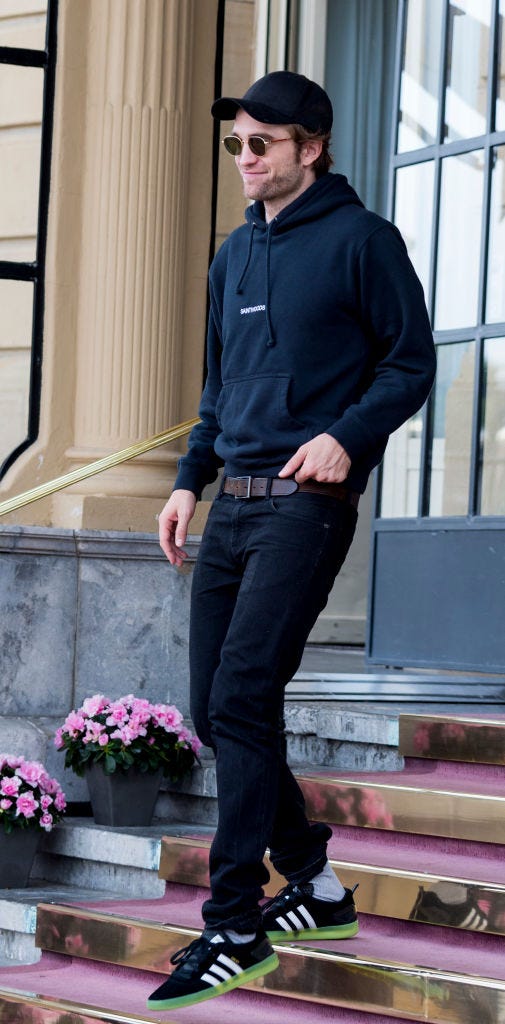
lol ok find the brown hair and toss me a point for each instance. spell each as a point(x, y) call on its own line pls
point(325, 160)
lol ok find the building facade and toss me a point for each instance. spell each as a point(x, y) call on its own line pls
point(113, 196)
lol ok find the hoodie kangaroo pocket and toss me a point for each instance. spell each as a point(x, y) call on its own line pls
point(253, 413)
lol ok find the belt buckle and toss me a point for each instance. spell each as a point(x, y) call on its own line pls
point(240, 479)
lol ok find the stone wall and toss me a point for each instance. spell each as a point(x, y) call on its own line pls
point(83, 612)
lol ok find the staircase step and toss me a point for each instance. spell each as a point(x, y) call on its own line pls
point(384, 890)
point(84, 992)
point(426, 798)
point(79, 852)
point(18, 915)
point(472, 738)
point(390, 967)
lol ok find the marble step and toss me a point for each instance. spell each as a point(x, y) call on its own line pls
point(472, 738)
point(428, 798)
point(78, 852)
point(18, 916)
point(440, 886)
point(453, 800)
point(390, 967)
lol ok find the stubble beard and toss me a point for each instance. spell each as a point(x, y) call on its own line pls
point(285, 183)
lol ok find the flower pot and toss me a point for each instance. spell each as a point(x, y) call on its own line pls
point(122, 798)
point(17, 853)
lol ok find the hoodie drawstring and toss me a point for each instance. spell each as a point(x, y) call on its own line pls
point(238, 290)
point(248, 260)
point(271, 339)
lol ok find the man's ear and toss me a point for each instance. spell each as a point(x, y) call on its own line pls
point(310, 150)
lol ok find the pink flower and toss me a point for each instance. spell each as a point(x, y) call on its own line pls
point(5, 804)
point(59, 801)
point(94, 705)
point(10, 787)
point(137, 726)
point(46, 821)
point(93, 732)
point(31, 771)
point(58, 738)
point(26, 805)
point(49, 785)
point(103, 740)
point(45, 801)
point(167, 716)
point(196, 745)
point(117, 714)
point(13, 762)
point(74, 723)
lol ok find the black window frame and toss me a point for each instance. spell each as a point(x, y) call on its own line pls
point(34, 271)
point(481, 331)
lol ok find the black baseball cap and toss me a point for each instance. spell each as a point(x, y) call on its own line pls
point(282, 97)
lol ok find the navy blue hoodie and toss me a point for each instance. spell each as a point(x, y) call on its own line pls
point(317, 325)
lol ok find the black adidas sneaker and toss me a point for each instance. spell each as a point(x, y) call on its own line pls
point(211, 966)
point(430, 909)
point(295, 913)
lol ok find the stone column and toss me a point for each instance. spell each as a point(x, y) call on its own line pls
point(139, 355)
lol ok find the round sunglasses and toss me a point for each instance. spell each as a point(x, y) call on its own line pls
point(233, 144)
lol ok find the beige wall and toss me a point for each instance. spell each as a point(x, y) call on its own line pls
point(127, 254)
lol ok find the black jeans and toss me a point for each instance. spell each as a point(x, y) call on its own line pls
point(263, 575)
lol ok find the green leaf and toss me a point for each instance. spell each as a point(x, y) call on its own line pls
point(110, 764)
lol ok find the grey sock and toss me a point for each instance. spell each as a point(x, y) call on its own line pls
point(238, 936)
point(327, 886)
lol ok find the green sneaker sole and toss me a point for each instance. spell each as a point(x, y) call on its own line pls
point(270, 964)
point(335, 931)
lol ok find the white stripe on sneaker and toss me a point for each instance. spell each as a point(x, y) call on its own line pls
point(304, 913)
point(236, 968)
point(209, 978)
point(295, 920)
point(284, 924)
point(220, 972)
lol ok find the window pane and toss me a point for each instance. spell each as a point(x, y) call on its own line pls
point(401, 470)
point(495, 302)
point(16, 303)
point(21, 95)
point(452, 430)
point(420, 75)
point(459, 241)
point(413, 214)
point(24, 24)
point(467, 68)
point(500, 91)
point(493, 434)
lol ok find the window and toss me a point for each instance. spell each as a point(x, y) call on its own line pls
point(448, 199)
point(27, 62)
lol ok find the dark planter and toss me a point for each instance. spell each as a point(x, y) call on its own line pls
point(17, 853)
point(122, 799)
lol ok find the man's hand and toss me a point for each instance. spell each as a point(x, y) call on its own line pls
point(173, 524)
point(321, 459)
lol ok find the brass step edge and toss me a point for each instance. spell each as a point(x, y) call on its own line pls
point(452, 738)
point(47, 1006)
point(384, 892)
point(399, 807)
point(372, 984)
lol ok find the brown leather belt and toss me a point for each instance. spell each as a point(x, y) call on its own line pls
point(264, 486)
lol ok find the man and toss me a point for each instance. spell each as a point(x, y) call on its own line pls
point(319, 346)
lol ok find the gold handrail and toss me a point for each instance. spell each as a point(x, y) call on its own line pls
point(139, 448)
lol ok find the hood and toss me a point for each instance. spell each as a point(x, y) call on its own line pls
point(324, 195)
